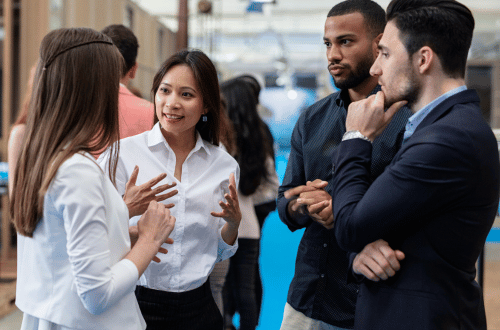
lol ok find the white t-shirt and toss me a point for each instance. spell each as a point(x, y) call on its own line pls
point(198, 244)
point(71, 274)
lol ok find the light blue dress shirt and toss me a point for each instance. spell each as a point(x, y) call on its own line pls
point(419, 116)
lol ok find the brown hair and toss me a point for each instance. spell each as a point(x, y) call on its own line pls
point(206, 76)
point(73, 108)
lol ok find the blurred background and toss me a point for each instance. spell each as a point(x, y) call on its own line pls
point(280, 42)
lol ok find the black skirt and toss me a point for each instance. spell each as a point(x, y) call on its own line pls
point(190, 310)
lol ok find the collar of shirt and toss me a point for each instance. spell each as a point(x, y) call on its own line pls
point(155, 137)
point(419, 116)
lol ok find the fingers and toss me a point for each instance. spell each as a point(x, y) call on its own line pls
point(217, 214)
point(316, 207)
point(362, 269)
point(162, 188)
point(400, 255)
point(169, 206)
point(389, 256)
point(169, 241)
point(231, 201)
point(378, 261)
point(290, 193)
point(232, 180)
point(133, 177)
point(318, 184)
point(379, 100)
point(160, 198)
point(232, 188)
point(155, 180)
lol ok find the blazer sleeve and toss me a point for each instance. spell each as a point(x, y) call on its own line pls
point(427, 178)
point(78, 195)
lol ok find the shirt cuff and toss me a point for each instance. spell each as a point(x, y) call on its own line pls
point(224, 250)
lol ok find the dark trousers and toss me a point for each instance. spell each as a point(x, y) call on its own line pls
point(190, 310)
point(262, 211)
point(239, 290)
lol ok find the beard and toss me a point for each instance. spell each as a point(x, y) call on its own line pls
point(410, 92)
point(357, 74)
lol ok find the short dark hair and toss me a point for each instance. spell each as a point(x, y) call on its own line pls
point(206, 77)
point(373, 14)
point(127, 44)
point(446, 26)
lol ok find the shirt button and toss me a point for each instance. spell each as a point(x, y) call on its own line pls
point(322, 275)
point(325, 245)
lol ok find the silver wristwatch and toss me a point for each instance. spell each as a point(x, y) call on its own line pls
point(354, 135)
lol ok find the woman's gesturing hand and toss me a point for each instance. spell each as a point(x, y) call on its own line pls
point(231, 209)
point(230, 212)
point(138, 198)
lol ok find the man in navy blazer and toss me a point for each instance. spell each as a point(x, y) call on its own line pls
point(437, 200)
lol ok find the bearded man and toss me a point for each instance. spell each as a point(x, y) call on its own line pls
point(319, 296)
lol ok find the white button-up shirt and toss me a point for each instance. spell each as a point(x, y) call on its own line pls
point(198, 244)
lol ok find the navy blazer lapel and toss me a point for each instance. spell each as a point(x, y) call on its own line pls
point(467, 96)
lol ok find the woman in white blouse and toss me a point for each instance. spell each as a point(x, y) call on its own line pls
point(76, 269)
point(175, 293)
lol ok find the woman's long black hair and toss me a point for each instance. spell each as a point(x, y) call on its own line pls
point(251, 139)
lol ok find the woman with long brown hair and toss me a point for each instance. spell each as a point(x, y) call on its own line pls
point(184, 144)
point(75, 266)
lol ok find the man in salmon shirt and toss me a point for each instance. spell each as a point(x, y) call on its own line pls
point(136, 114)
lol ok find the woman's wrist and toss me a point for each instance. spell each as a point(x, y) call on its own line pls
point(230, 232)
point(147, 242)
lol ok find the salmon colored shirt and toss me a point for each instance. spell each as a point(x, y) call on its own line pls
point(136, 114)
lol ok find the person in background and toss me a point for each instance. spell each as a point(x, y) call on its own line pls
point(218, 276)
point(136, 114)
point(184, 144)
point(265, 197)
point(319, 296)
point(76, 267)
point(255, 158)
point(265, 202)
point(16, 138)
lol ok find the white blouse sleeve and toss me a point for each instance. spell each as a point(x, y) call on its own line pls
point(78, 194)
